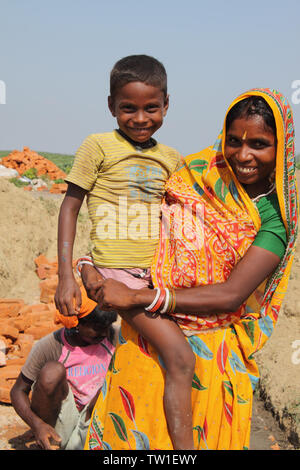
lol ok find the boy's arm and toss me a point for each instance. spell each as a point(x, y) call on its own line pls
point(20, 400)
point(68, 289)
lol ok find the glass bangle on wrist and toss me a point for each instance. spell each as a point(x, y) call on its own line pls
point(81, 261)
point(164, 301)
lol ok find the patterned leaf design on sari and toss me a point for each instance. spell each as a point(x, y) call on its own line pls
point(198, 165)
point(104, 389)
point(199, 432)
point(121, 339)
point(97, 428)
point(128, 403)
point(254, 381)
point(217, 160)
point(119, 426)
point(228, 412)
point(222, 355)
point(205, 432)
point(266, 325)
point(106, 446)
point(200, 348)
point(275, 311)
point(112, 365)
point(96, 434)
point(228, 386)
point(241, 400)
point(198, 189)
point(236, 363)
point(233, 191)
point(221, 189)
point(143, 345)
point(141, 440)
point(249, 328)
point(197, 384)
point(94, 444)
point(202, 432)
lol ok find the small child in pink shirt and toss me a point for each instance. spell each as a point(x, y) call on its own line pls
point(65, 371)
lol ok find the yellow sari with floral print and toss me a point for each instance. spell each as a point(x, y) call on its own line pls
point(220, 225)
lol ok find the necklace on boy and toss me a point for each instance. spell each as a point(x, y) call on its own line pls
point(138, 145)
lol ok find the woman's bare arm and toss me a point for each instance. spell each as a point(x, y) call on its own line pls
point(257, 265)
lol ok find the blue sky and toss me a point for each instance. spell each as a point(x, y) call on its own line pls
point(56, 58)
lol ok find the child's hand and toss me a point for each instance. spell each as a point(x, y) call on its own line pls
point(92, 281)
point(68, 297)
point(45, 435)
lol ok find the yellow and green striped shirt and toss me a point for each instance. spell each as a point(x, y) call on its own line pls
point(125, 187)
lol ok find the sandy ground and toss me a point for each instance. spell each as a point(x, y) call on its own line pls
point(28, 227)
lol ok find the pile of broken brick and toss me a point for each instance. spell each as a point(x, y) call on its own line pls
point(24, 160)
point(21, 325)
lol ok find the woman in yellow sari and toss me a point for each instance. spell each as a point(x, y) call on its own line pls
point(225, 253)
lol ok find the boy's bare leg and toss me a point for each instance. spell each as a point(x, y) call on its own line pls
point(50, 390)
point(168, 340)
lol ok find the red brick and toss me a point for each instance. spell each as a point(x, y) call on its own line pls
point(5, 394)
point(41, 259)
point(59, 188)
point(10, 307)
point(38, 308)
point(48, 289)
point(44, 271)
point(20, 361)
point(21, 323)
point(24, 338)
point(10, 372)
point(8, 331)
point(38, 331)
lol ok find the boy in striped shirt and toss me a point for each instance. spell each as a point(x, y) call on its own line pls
point(123, 174)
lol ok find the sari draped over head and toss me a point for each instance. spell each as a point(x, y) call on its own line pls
point(208, 224)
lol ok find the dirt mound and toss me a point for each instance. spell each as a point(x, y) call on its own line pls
point(28, 228)
point(27, 159)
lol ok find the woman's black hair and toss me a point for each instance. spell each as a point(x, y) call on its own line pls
point(249, 107)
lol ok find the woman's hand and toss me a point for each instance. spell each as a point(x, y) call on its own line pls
point(116, 295)
point(92, 281)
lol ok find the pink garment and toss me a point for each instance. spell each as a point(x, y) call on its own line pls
point(127, 276)
point(86, 368)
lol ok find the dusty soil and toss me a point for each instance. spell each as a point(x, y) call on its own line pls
point(28, 228)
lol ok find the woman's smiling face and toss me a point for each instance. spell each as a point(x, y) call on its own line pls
point(250, 149)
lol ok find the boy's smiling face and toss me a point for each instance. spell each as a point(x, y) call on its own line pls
point(139, 109)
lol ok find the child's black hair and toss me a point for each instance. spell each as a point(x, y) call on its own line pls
point(101, 317)
point(249, 107)
point(138, 68)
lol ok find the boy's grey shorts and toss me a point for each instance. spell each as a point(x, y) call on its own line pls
point(71, 425)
